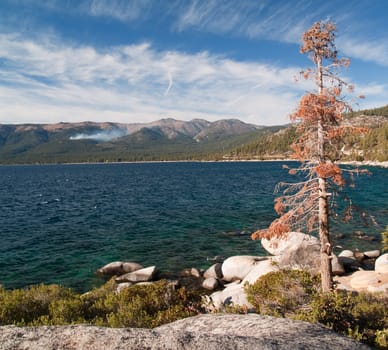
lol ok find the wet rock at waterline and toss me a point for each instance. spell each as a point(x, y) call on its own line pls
point(214, 271)
point(118, 268)
point(193, 272)
point(210, 283)
point(142, 275)
point(372, 254)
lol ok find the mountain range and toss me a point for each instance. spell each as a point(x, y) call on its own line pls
point(170, 139)
point(165, 139)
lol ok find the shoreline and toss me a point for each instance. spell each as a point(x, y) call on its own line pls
point(366, 163)
point(383, 164)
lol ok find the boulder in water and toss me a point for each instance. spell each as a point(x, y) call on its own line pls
point(210, 283)
point(372, 254)
point(142, 275)
point(191, 272)
point(119, 268)
point(214, 271)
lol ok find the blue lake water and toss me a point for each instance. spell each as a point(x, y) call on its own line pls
point(59, 223)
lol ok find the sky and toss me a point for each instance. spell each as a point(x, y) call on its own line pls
point(137, 61)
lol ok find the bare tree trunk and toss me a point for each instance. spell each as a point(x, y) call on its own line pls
point(323, 210)
point(324, 237)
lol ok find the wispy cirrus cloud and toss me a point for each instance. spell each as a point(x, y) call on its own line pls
point(129, 83)
point(122, 10)
point(283, 21)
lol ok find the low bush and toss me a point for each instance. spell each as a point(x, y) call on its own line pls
point(295, 294)
point(362, 316)
point(138, 306)
point(282, 292)
point(144, 306)
point(28, 306)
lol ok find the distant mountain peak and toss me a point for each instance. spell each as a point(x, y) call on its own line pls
point(88, 141)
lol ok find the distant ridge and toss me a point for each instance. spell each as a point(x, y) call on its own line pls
point(171, 139)
point(165, 139)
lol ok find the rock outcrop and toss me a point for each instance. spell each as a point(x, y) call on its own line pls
point(382, 263)
point(298, 251)
point(237, 267)
point(293, 240)
point(207, 332)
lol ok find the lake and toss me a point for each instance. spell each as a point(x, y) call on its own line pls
point(59, 223)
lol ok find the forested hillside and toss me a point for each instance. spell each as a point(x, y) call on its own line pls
point(371, 146)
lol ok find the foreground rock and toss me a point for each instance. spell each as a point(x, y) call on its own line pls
point(207, 332)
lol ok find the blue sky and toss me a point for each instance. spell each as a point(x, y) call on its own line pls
point(142, 60)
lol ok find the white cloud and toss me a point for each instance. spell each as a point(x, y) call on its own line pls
point(366, 50)
point(372, 89)
point(170, 82)
point(375, 95)
point(47, 81)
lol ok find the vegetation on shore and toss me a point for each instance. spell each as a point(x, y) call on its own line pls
point(372, 146)
point(294, 294)
point(287, 293)
point(140, 306)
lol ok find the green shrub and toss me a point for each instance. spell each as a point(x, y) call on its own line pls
point(282, 292)
point(67, 311)
point(145, 306)
point(362, 316)
point(26, 306)
point(138, 306)
point(295, 294)
point(381, 340)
